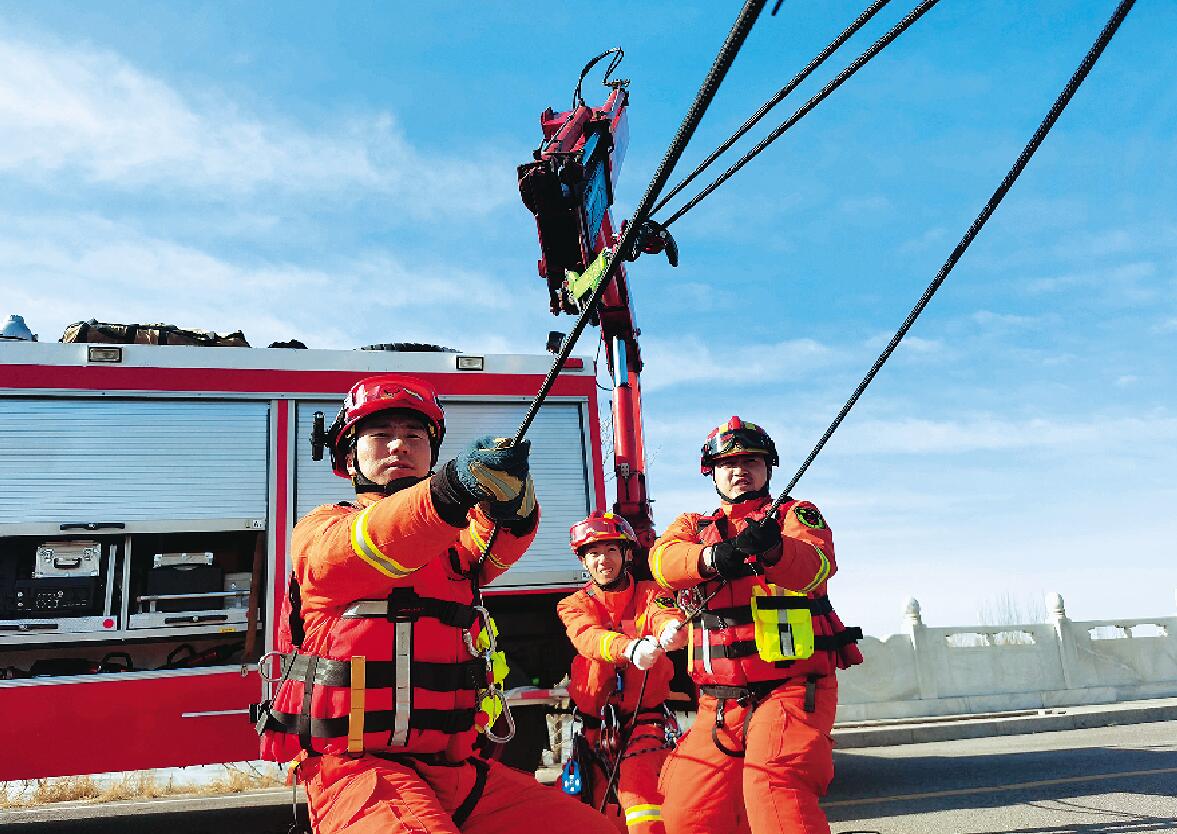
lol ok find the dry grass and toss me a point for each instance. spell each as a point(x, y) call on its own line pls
point(142, 785)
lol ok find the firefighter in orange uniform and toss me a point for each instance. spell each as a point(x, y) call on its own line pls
point(621, 629)
point(763, 647)
point(390, 667)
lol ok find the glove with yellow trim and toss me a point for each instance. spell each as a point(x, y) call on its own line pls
point(519, 508)
point(493, 469)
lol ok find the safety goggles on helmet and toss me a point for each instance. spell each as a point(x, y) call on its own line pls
point(387, 392)
point(735, 437)
point(600, 527)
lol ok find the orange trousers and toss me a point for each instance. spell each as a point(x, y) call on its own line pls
point(369, 795)
point(637, 783)
point(774, 788)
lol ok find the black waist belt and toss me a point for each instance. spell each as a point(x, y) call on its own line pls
point(405, 605)
point(446, 721)
point(742, 614)
point(821, 643)
point(381, 674)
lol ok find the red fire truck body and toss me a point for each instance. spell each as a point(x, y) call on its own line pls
point(147, 496)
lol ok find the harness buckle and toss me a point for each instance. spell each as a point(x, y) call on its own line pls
point(405, 605)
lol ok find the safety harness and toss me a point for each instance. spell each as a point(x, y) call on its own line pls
point(783, 629)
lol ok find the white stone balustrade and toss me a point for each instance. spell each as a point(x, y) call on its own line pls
point(986, 668)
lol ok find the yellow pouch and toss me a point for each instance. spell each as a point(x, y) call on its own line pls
point(783, 622)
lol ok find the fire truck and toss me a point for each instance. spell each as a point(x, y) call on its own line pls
point(148, 493)
point(147, 502)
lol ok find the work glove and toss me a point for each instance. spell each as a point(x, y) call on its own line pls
point(643, 652)
point(673, 636)
point(493, 469)
point(729, 558)
point(759, 537)
point(518, 508)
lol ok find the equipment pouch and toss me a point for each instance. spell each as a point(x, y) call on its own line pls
point(783, 622)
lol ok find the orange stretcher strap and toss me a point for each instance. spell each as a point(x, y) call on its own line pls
point(355, 718)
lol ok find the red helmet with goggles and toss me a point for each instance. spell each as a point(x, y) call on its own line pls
point(386, 392)
point(600, 527)
point(735, 437)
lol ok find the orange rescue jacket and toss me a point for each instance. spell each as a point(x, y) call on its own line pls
point(721, 646)
point(386, 579)
point(600, 625)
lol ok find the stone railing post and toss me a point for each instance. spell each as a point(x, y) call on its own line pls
point(1057, 613)
point(914, 628)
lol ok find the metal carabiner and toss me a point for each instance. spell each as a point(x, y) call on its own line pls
point(261, 668)
point(495, 692)
point(468, 638)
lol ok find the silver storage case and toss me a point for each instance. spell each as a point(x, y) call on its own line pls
point(74, 558)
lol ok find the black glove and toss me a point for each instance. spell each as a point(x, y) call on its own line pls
point(729, 562)
point(758, 537)
point(729, 557)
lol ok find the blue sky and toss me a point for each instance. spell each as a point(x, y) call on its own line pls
point(344, 174)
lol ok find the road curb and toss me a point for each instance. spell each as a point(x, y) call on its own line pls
point(966, 728)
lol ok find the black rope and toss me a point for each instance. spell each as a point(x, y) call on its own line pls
point(578, 99)
point(825, 91)
point(618, 53)
point(723, 61)
point(623, 742)
point(1023, 160)
point(784, 91)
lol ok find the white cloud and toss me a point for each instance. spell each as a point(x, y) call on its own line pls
point(910, 344)
point(987, 318)
point(691, 361)
point(59, 271)
point(1119, 281)
point(991, 433)
point(89, 114)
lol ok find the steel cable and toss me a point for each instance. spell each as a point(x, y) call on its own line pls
point(858, 63)
point(1023, 160)
point(784, 91)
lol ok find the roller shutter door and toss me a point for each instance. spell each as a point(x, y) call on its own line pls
point(107, 460)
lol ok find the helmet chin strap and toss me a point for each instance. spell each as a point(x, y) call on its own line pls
point(363, 483)
point(747, 496)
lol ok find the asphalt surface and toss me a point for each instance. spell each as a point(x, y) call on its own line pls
point(1108, 780)
point(1016, 773)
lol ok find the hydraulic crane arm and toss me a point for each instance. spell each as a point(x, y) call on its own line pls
point(569, 189)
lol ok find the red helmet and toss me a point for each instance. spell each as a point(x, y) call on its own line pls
point(385, 392)
point(735, 437)
point(600, 527)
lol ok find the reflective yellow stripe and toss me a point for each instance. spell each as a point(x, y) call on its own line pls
point(606, 641)
point(642, 813)
point(823, 572)
point(481, 545)
point(656, 565)
point(367, 550)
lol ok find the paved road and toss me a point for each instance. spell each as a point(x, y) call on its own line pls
point(1109, 780)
